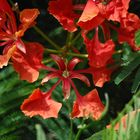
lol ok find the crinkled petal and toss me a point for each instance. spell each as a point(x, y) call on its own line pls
point(40, 103)
point(27, 17)
point(98, 53)
point(91, 16)
point(101, 75)
point(89, 105)
point(62, 10)
point(28, 64)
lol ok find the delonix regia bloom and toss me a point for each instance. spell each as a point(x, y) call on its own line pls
point(41, 103)
point(26, 60)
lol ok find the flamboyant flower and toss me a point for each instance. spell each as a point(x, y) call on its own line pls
point(28, 64)
point(99, 55)
point(41, 103)
point(89, 105)
point(96, 11)
point(63, 11)
point(65, 73)
point(10, 33)
point(128, 27)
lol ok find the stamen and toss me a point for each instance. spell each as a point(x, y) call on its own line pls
point(65, 74)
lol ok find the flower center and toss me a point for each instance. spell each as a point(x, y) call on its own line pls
point(65, 74)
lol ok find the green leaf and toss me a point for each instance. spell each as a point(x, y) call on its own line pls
point(137, 38)
point(97, 136)
point(127, 70)
point(136, 82)
point(40, 132)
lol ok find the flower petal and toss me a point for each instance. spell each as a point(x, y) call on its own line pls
point(89, 105)
point(66, 88)
point(40, 103)
point(4, 59)
point(73, 63)
point(101, 75)
point(62, 10)
point(98, 53)
point(59, 61)
point(27, 17)
point(90, 17)
point(49, 77)
point(80, 77)
point(28, 65)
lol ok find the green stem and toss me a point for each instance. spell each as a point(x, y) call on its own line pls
point(69, 53)
point(11, 2)
point(46, 38)
point(78, 55)
point(77, 36)
point(71, 130)
point(80, 130)
point(53, 51)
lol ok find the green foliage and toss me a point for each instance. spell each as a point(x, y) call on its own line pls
point(130, 131)
point(137, 38)
point(130, 67)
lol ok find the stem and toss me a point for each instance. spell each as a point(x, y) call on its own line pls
point(46, 38)
point(80, 130)
point(11, 2)
point(71, 129)
point(78, 55)
point(69, 53)
point(77, 36)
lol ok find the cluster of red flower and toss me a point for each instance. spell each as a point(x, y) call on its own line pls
point(27, 57)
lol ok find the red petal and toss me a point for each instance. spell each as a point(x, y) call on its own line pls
point(89, 105)
point(80, 77)
point(49, 77)
point(40, 103)
point(59, 61)
point(27, 17)
point(28, 65)
point(6, 56)
point(5, 7)
point(66, 88)
point(62, 10)
point(99, 53)
point(90, 17)
point(73, 63)
point(20, 45)
point(101, 75)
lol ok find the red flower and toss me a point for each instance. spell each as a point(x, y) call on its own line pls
point(10, 34)
point(40, 103)
point(89, 105)
point(99, 56)
point(126, 33)
point(96, 12)
point(100, 75)
point(98, 53)
point(28, 64)
point(62, 10)
point(65, 73)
